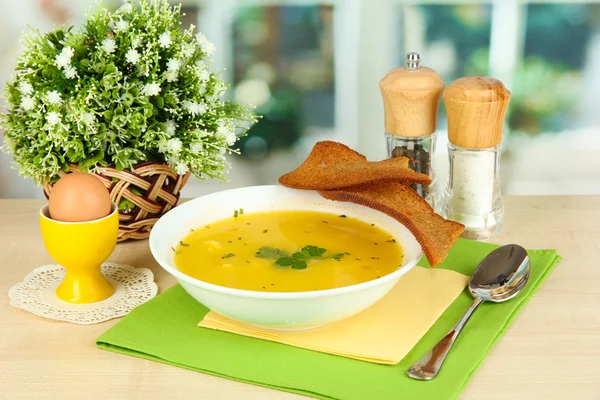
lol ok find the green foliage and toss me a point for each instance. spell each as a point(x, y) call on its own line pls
point(127, 87)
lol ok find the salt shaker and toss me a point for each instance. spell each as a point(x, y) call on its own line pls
point(411, 98)
point(475, 107)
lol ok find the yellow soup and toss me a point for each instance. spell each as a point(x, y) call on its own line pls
point(288, 251)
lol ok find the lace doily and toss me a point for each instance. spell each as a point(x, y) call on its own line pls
point(36, 294)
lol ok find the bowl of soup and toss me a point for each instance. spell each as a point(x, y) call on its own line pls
point(281, 258)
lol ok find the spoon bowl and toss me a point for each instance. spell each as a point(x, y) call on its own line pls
point(500, 272)
point(499, 277)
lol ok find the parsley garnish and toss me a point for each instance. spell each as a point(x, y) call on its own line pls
point(228, 255)
point(238, 212)
point(391, 241)
point(293, 262)
point(309, 252)
point(298, 259)
point(270, 252)
point(184, 244)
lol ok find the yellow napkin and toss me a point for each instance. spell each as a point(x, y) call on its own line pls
point(384, 333)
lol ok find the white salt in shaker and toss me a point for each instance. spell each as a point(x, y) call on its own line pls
point(475, 107)
point(411, 98)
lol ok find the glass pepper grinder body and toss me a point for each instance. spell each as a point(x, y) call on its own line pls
point(476, 107)
point(411, 97)
point(419, 151)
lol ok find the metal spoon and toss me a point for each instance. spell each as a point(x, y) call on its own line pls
point(499, 277)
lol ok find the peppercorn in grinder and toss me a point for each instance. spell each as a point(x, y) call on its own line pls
point(411, 98)
point(475, 106)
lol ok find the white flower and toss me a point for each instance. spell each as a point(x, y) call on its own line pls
point(171, 127)
point(173, 64)
point(53, 118)
point(53, 97)
point(64, 58)
point(27, 103)
point(136, 42)
point(171, 76)
point(132, 56)
point(194, 108)
point(196, 147)
point(25, 87)
point(165, 39)
point(163, 145)
point(204, 133)
point(126, 8)
point(174, 146)
point(181, 168)
point(220, 88)
point(108, 45)
point(187, 50)
point(70, 71)
point(207, 47)
point(122, 25)
point(203, 75)
point(88, 118)
point(226, 133)
point(151, 89)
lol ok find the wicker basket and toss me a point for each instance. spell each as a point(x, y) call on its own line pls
point(160, 186)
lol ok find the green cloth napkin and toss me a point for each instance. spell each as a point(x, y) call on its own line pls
point(165, 330)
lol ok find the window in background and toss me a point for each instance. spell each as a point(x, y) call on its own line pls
point(280, 61)
point(554, 108)
point(452, 39)
point(554, 79)
point(283, 65)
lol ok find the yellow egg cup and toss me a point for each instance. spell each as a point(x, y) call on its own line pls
point(81, 248)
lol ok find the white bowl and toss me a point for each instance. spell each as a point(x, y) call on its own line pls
point(281, 311)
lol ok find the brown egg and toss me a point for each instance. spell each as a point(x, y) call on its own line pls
point(79, 197)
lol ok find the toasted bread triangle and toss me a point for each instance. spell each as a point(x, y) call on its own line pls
point(435, 234)
point(332, 165)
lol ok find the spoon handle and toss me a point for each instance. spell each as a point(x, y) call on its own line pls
point(430, 364)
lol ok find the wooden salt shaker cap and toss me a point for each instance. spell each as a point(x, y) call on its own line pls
point(476, 106)
point(411, 97)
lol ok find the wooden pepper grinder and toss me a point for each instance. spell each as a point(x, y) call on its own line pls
point(475, 107)
point(411, 98)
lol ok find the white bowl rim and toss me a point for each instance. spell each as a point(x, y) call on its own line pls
point(271, 295)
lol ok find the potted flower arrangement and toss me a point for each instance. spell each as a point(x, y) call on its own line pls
point(129, 97)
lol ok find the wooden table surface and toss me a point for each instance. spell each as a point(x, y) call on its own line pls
point(551, 351)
